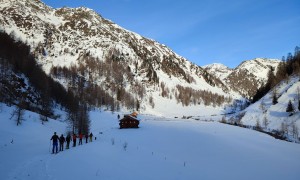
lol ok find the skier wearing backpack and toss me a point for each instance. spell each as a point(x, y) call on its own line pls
point(80, 138)
point(74, 139)
point(68, 139)
point(55, 139)
point(61, 142)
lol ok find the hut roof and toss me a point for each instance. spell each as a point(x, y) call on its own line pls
point(129, 116)
point(134, 114)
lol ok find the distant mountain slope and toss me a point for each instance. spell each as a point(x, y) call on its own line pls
point(219, 70)
point(65, 35)
point(247, 77)
point(105, 64)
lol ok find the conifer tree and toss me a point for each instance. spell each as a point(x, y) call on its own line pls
point(297, 51)
point(271, 78)
point(274, 97)
point(298, 95)
point(290, 107)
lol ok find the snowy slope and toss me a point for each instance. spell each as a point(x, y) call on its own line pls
point(160, 149)
point(259, 67)
point(219, 70)
point(245, 78)
point(276, 114)
point(64, 37)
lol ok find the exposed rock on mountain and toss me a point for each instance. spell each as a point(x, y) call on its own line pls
point(247, 77)
point(107, 65)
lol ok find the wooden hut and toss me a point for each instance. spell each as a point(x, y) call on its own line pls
point(129, 121)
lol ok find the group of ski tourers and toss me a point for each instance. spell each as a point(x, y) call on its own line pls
point(61, 140)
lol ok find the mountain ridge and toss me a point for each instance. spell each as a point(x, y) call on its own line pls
point(77, 45)
point(247, 77)
point(108, 67)
point(81, 38)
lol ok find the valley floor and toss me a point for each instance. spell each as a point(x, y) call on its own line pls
point(160, 149)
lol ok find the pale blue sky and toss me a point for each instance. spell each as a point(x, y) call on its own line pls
point(207, 31)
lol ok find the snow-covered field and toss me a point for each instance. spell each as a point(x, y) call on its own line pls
point(161, 148)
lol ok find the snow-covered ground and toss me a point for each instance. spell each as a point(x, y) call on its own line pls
point(161, 148)
point(275, 114)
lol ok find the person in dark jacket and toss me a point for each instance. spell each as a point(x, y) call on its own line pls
point(61, 142)
point(91, 137)
point(55, 139)
point(74, 139)
point(86, 138)
point(68, 139)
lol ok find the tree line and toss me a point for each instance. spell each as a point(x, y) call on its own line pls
point(188, 96)
point(289, 66)
point(103, 83)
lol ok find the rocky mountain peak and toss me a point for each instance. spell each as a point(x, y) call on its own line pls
point(69, 41)
point(259, 64)
point(247, 77)
point(219, 70)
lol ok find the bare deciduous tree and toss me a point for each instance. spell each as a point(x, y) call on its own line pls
point(295, 130)
point(284, 128)
point(18, 114)
point(265, 121)
point(257, 125)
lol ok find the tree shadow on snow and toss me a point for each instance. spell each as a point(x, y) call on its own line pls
point(279, 114)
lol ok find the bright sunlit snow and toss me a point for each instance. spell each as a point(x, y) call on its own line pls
point(160, 149)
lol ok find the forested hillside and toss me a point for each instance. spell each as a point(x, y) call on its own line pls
point(24, 84)
point(289, 66)
point(108, 66)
